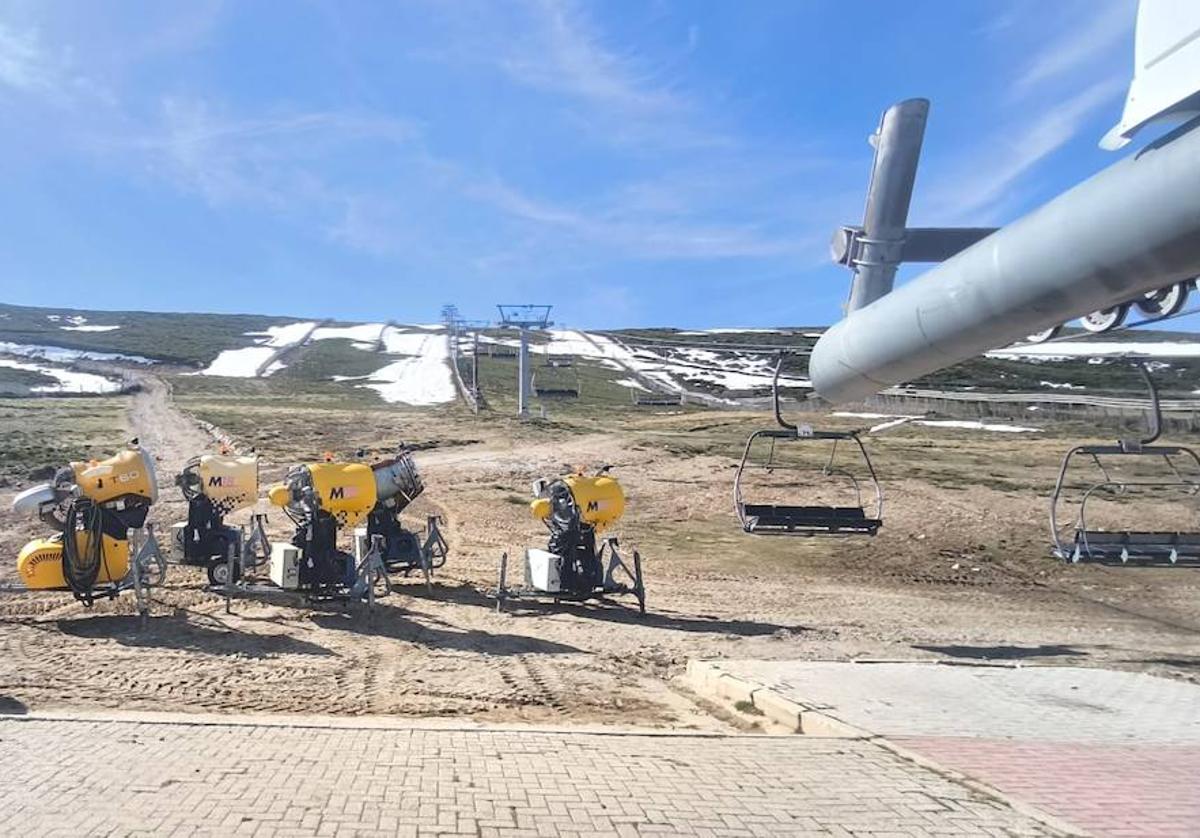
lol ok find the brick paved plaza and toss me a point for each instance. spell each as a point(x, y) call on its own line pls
point(123, 776)
point(1113, 754)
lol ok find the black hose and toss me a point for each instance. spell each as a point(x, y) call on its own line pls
point(82, 571)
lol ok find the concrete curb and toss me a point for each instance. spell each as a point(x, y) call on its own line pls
point(710, 681)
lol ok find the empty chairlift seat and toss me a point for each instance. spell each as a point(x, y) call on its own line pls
point(803, 478)
point(1104, 514)
point(1080, 513)
point(772, 518)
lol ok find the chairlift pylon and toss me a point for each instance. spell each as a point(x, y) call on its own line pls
point(813, 520)
point(1080, 540)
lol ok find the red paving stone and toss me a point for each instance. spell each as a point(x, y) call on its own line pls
point(1106, 789)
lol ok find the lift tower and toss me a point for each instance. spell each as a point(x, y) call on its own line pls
point(524, 317)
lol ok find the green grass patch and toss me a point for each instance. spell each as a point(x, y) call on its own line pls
point(35, 433)
point(188, 339)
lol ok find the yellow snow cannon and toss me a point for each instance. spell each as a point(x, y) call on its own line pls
point(321, 499)
point(575, 509)
point(93, 506)
point(214, 486)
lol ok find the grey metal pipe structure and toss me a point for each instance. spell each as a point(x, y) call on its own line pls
point(523, 375)
point(894, 171)
point(1132, 228)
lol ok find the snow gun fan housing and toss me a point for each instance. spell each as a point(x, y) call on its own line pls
point(92, 506)
point(398, 484)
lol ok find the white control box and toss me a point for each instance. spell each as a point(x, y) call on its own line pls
point(285, 566)
point(543, 570)
point(361, 545)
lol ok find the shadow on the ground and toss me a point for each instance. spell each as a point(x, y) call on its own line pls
point(611, 610)
point(615, 611)
point(1179, 661)
point(462, 593)
point(392, 623)
point(1004, 653)
point(10, 706)
point(179, 633)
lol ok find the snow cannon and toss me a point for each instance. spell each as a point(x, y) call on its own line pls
point(322, 499)
point(575, 509)
point(93, 506)
point(214, 486)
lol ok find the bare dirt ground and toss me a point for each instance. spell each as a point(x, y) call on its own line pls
point(961, 570)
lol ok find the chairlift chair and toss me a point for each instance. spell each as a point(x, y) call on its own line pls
point(551, 383)
point(855, 518)
point(1080, 540)
point(642, 398)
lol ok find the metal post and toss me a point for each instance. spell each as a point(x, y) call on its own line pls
point(524, 317)
point(475, 370)
point(523, 376)
point(897, 151)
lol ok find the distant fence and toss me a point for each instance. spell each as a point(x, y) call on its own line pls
point(469, 393)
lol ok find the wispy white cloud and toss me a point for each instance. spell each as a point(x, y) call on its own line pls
point(607, 94)
point(263, 159)
point(1084, 42)
point(975, 190)
point(567, 55)
point(31, 66)
point(1057, 89)
point(629, 232)
point(24, 63)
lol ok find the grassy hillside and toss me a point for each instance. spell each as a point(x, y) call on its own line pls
point(193, 340)
point(190, 339)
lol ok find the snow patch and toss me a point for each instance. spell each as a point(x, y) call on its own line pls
point(284, 336)
point(364, 334)
point(421, 379)
point(245, 362)
point(239, 363)
point(959, 424)
point(62, 355)
point(705, 366)
point(894, 423)
point(89, 328)
point(971, 425)
point(68, 381)
point(1069, 350)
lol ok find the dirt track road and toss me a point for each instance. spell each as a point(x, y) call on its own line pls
point(169, 435)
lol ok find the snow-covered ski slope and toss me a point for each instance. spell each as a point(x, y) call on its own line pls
point(672, 369)
point(418, 375)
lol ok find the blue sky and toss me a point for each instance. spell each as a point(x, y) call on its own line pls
point(633, 163)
